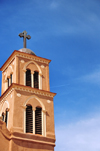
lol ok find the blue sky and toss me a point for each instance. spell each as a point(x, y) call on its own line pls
point(68, 33)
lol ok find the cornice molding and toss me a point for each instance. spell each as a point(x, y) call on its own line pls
point(35, 91)
point(32, 140)
point(5, 94)
point(23, 136)
point(7, 64)
point(24, 55)
point(31, 58)
point(25, 89)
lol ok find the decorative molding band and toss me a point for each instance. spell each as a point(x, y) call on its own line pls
point(25, 89)
point(5, 135)
point(34, 91)
point(9, 137)
point(31, 140)
point(7, 95)
point(8, 63)
point(35, 59)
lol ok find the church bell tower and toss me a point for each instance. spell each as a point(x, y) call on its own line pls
point(26, 103)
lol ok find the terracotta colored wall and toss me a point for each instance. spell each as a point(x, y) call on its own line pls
point(4, 143)
point(19, 111)
point(4, 137)
point(45, 72)
point(6, 73)
point(8, 103)
point(30, 146)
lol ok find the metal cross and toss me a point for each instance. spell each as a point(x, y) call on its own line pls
point(25, 36)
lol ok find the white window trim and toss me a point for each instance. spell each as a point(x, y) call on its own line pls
point(25, 121)
point(25, 77)
point(44, 123)
point(9, 81)
point(4, 116)
point(24, 124)
point(40, 81)
point(32, 79)
point(6, 85)
point(33, 121)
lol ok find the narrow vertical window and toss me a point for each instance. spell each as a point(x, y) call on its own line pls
point(6, 117)
point(36, 80)
point(8, 81)
point(38, 121)
point(11, 78)
point(3, 116)
point(28, 77)
point(29, 119)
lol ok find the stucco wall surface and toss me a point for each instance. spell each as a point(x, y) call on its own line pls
point(29, 146)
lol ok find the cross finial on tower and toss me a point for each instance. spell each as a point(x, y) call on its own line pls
point(25, 36)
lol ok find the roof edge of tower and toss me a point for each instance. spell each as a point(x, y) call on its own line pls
point(22, 54)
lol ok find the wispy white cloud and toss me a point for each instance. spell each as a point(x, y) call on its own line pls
point(83, 135)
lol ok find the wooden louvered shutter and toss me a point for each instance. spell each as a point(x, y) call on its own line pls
point(29, 119)
point(38, 121)
point(6, 117)
point(36, 81)
point(28, 77)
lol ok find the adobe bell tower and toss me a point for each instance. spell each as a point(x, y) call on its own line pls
point(26, 103)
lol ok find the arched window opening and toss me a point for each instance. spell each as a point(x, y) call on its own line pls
point(29, 119)
point(36, 80)
point(8, 82)
point(3, 116)
point(11, 79)
point(38, 120)
point(28, 77)
point(6, 117)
